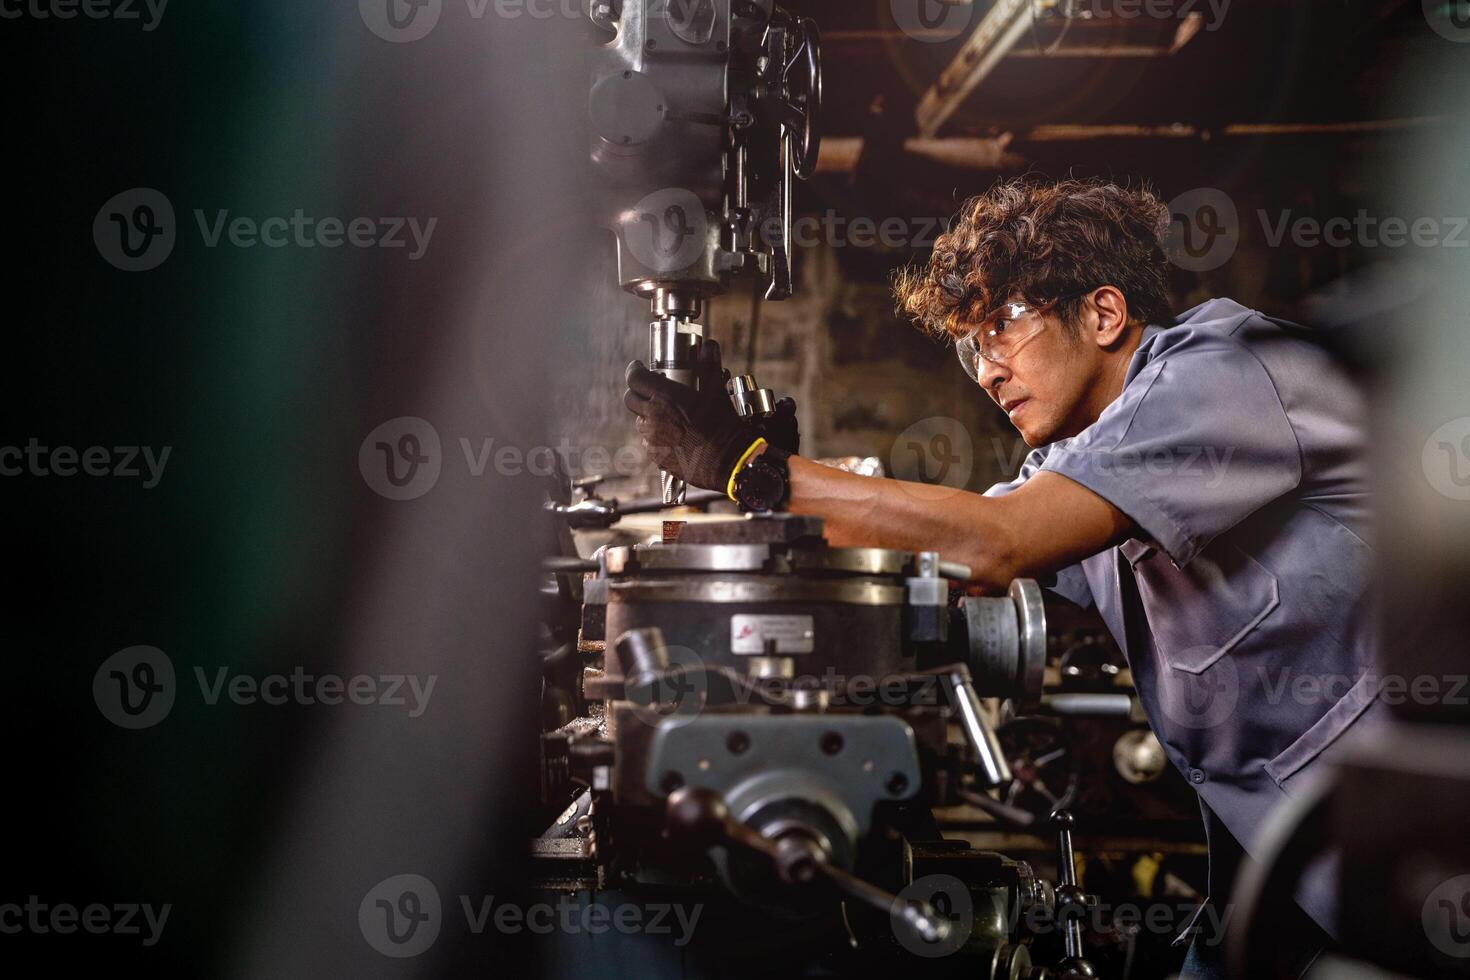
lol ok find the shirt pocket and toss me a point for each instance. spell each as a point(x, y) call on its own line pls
point(1348, 711)
point(1201, 612)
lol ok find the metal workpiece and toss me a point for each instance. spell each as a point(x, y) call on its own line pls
point(751, 400)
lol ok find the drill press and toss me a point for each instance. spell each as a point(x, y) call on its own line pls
point(703, 113)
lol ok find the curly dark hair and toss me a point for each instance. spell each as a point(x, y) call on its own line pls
point(1043, 240)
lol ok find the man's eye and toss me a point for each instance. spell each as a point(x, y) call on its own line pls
point(1000, 326)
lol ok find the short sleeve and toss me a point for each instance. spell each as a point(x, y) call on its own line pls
point(1070, 583)
point(1197, 442)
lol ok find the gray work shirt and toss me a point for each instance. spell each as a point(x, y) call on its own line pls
point(1243, 604)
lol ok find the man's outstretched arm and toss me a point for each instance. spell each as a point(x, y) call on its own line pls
point(1046, 524)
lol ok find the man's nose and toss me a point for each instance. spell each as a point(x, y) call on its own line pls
point(991, 374)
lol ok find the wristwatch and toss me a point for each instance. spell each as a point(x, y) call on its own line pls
point(763, 484)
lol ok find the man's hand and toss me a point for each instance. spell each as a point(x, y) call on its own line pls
point(695, 435)
point(781, 429)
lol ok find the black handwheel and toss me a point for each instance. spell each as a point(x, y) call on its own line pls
point(805, 95)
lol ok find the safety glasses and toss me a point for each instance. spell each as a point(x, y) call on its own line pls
point(1004, 331)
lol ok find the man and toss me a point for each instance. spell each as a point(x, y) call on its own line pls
point(1199, 480)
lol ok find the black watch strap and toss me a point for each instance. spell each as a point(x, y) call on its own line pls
point(763, 485)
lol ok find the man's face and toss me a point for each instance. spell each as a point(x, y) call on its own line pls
point(1043, 384)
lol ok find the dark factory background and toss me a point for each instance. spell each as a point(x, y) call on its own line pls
point(1293, 113)
point(261, 549)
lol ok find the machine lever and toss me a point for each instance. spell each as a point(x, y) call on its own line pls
point(700, 815)
point(994, 770)
point(1071, 901)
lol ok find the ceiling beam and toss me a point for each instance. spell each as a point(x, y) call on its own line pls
point(990, 41)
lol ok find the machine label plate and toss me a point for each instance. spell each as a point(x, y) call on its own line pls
point(749, 633)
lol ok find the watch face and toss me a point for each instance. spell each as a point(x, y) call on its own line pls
point(760, 487)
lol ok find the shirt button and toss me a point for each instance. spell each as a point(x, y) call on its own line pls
point(1196, 776)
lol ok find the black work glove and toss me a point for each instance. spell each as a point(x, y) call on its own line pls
point(695, 435)
point(781, 429)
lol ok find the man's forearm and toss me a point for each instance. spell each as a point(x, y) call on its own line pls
point(1047, 524)
point(860, 511)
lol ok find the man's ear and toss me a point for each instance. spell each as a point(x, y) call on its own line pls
point(1112, 316)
